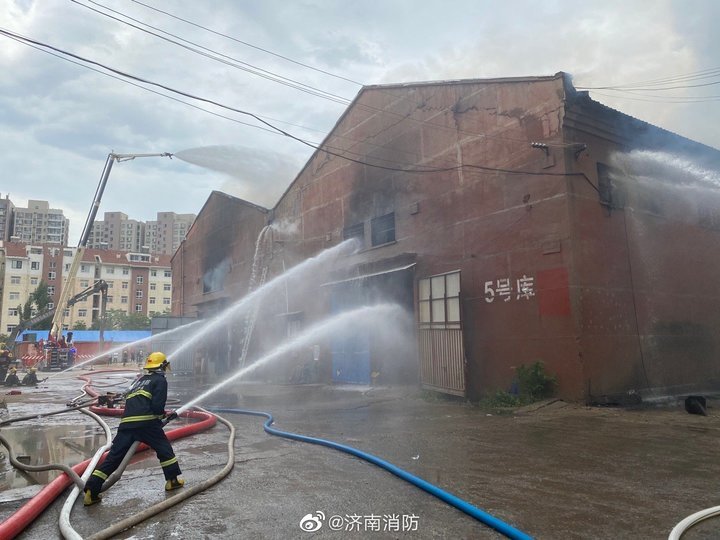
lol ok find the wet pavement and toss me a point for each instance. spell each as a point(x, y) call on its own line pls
point(554, 471)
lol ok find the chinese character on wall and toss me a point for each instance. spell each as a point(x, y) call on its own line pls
point(502, 289)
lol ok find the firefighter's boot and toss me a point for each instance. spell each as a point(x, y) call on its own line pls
point(91, 498)
point(174, 483)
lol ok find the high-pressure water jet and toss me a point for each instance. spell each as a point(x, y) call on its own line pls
point(379, 318)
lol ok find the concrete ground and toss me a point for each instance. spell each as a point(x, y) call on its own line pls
point(552, 470)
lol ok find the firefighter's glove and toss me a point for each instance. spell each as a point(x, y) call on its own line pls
point(170, 417)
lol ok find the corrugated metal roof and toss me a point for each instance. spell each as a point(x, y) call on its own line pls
point(91, 336)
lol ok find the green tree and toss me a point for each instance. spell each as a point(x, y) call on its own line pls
point(27, 310)
point(117, 319)
point(136, 321)
point(40, 297)
point(79, 325)
point(20, 313)
point(114, 319)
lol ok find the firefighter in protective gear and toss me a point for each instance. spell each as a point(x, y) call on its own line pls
point(30, 379)
point(6, 358)
point(141, 421)
point(12, 378)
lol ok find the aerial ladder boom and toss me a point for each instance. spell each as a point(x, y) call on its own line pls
point(69, 285)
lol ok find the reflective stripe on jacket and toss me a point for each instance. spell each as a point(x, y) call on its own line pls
point(145, 401)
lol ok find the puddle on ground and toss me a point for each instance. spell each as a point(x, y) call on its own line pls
point(67, 444)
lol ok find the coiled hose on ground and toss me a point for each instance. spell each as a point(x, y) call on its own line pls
point(14, 525)
point(691, 520)
point(176, 499)
point(472, 511)
point(25, 515)
point(64, 523)
point(50, 466)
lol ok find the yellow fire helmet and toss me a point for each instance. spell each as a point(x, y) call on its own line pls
point(2, 345)
point(157, 360)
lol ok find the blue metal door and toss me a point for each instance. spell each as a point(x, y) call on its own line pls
point(351, 359)
point(350, 353)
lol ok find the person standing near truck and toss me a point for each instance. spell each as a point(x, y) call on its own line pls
point(72, 351)
point(6, 358)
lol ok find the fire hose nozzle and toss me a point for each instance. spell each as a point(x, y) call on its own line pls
point(170, 417)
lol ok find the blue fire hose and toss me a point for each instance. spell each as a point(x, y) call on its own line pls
point(449, 498)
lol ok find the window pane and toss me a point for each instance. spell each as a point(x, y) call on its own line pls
point(383, 229)
point(438, 287)
point(424, 289)
point(424, 312)
point(354, 231)
point(453, 284)
point(438, 311)
point(453, 309)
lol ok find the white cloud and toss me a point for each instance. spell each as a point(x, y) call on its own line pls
point(58, 121)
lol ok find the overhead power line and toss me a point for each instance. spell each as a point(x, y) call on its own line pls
point(360, 105)
point(27, 40)
point(288, 59)
point(412, 170)
point(219, 57)
point(658, 99)
point(619, 89)
point(665, 83)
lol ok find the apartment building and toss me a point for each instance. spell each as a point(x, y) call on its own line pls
point(117, 232)
point(137, 282)
point(7, 209)
point(161, 236)
point(165, 234)
point(40, 224)
point(21, 272)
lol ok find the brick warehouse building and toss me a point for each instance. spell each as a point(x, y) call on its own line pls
point(518, 219)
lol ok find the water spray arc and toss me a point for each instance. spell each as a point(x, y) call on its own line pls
point(308, 265)
point(377, 316)
point(259, 259)
point(125, 346)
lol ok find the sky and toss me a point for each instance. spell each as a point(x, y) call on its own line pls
point(59, 119)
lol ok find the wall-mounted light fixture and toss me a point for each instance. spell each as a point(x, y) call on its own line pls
point(541, 146)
